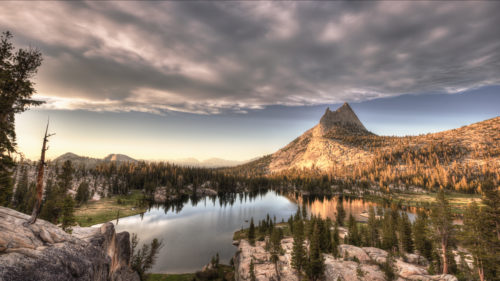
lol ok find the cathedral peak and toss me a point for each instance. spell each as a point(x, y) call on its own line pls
point(343, 116)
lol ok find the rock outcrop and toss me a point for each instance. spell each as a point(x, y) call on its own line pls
point(344, 116)
point(354, 264)
point(43, 251)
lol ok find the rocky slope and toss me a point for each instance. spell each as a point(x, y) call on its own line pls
point(347, 268)
point(340, 141)
point(42, 251)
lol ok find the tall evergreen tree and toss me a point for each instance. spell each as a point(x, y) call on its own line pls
point(298, 251)
point(251, 232)
point(389, 228)
point(373, 236)
point(478, 236)
point(353, 235)
point(17, 69)
point(335, 240)
point(252, 271)
point(340, 211)
point(491, 199)
point(405, 233)
point(21, 192)
point(420, 235)
point(442, 225)
point(82, 193)
point(275, 240)
point(316, 263)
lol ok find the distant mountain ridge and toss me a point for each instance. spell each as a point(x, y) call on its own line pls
point(208, 163)
point(118, 158)
point(78, 160)
point(193, 162)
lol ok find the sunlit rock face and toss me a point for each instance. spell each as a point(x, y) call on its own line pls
point(344, 116)
point(317, 149)
point(42, 251)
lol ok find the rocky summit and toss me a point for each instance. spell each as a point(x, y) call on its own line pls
point(344, 116)
point(43, 251)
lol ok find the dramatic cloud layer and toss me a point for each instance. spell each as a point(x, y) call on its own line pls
point(209, 58)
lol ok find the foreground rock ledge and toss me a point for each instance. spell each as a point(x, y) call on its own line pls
point(335, 269)
point(43, 251)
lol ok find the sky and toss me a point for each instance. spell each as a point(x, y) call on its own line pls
point(236, 80)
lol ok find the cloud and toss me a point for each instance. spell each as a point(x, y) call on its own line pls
point(209, 58)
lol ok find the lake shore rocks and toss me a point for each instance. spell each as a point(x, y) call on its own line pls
point(43, 251)
point(355, 263)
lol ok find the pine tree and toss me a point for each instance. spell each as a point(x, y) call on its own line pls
point(252, 271)
point(251, 232)
point(21, 192)
point(405, 233)
point(316, 263)
point(442, 225)
point(304, 211)
point(340, 212)
point(67, 217)
point(389, 228)
point(66, 176)
point(353, 238)
point(478, 236)
point(335, 240)
point(373, 237)
point(491, 199)
point(17, 69)
point(82, 193)
point(420, 235)
point(275, 249)
point(299, 251)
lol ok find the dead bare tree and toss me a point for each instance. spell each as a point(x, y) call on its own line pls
point(39, 179)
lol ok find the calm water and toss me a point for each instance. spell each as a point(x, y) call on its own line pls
point(194, 231)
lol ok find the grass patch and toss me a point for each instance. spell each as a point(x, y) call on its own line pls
point(107, 209)
point(458, 201)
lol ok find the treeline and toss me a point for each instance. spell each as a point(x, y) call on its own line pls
point(120, 178)
point(67, 186)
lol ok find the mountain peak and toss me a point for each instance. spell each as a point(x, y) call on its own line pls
point(118, 158)
point(343, 116)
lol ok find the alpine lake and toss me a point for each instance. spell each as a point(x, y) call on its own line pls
point(193, 230)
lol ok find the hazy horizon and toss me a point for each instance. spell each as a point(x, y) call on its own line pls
point(253, 134)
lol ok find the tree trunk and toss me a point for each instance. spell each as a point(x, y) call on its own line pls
point(480, 270)
point(277, 271)
point(498, 229)
point(445, 258)
point(39, 179)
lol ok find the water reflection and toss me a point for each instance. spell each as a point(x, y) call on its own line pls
point(194, 229)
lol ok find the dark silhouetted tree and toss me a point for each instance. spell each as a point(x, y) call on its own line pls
point(17, 69)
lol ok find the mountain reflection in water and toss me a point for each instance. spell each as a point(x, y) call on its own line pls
point(195, 229)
